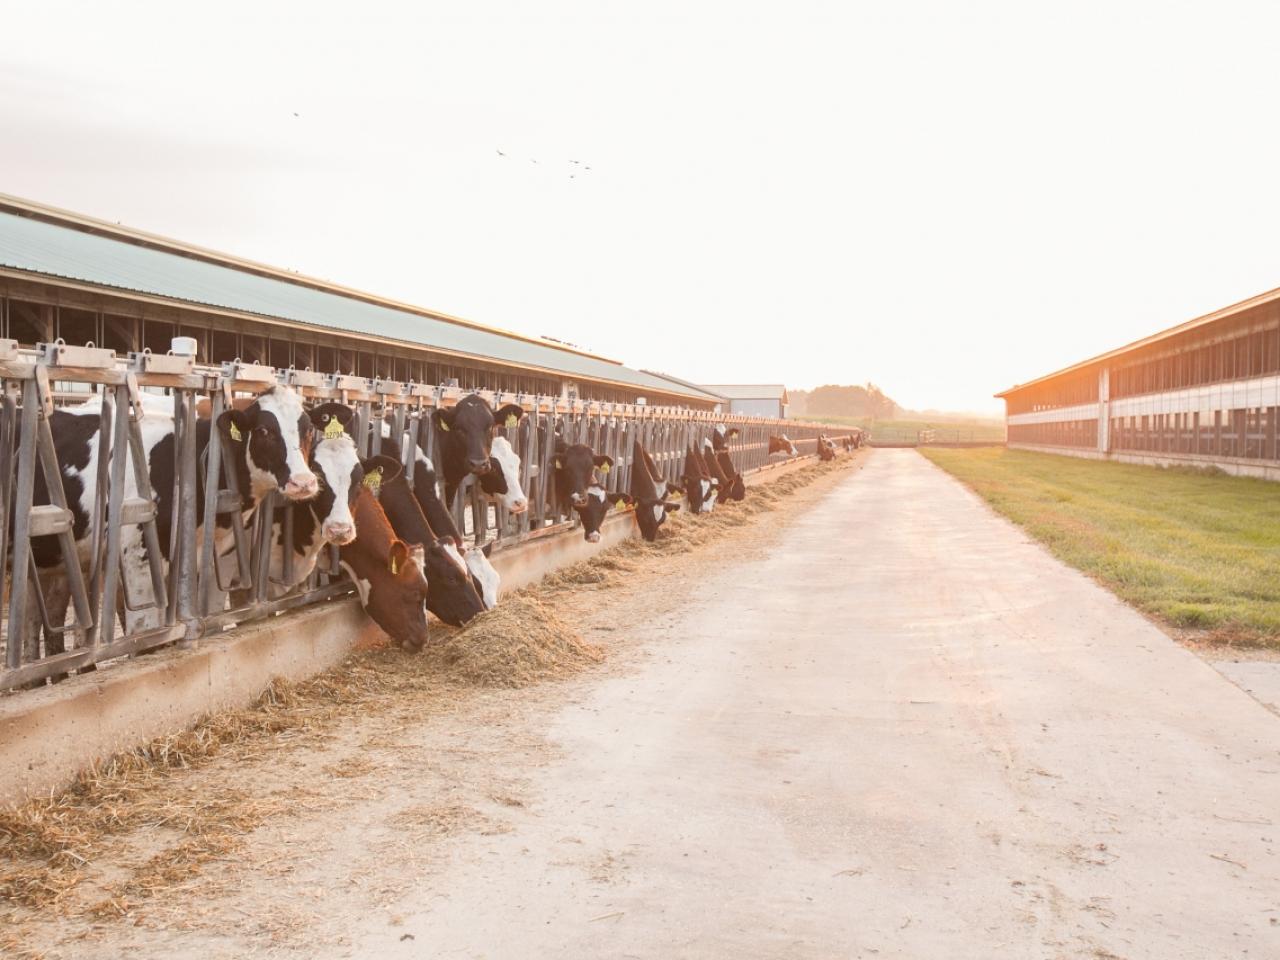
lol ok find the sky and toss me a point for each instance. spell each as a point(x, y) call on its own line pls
point(943, 198)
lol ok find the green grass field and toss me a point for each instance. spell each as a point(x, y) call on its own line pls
point(967, 430)
point(1195, 549)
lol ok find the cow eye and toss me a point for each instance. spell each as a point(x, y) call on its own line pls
point(260, 431)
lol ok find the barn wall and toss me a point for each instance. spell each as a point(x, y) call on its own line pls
point(762, 407)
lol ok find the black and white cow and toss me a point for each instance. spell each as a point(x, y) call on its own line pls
point(721, 435)
point(466, 438)
point(326, 519)
point(700, 489)
point(577, 488)
point(728, 480)
point(649, 493)
point(270, 439)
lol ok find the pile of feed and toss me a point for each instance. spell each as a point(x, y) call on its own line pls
point(520, 642)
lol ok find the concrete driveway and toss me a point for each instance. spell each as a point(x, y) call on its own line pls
point(907, 731)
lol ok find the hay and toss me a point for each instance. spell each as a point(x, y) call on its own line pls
point(520, 642)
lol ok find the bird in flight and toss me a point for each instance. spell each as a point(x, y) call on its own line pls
point(501, 154)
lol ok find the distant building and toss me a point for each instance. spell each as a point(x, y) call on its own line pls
point(1205, 393)
point(752, 399)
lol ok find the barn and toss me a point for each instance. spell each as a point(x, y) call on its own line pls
point(1204, 393)
point(71, 277)
point(752, 399)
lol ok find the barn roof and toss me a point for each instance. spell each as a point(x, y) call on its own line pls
point(1262, 299)
point(63, 246)
point(749, 391)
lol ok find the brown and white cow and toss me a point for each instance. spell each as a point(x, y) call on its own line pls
point(826, 449)
point(720, 466)
point(781, 443)
point(387, 572)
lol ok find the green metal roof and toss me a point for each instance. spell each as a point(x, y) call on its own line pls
point(135, 264)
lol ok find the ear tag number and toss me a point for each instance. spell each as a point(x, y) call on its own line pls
point(373, 480)
point(333, 429)
point(512, 420)
point(236, 435)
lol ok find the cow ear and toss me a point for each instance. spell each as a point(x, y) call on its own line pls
point(387, 467)
point(443, 418)
point(234, 424)
point(397, 556)
point(603, 463)
point(331, 419)
point(508, 415)
point(733, 433)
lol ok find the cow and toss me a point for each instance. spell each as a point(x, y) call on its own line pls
point(720, 466)
point(483, 576)
point(649, 493)
point(826, 449)
point(577, 489)
point(466, 438)
point(327, 518)
point(451, 593)
point(721, 435)
point(781, 443)
point(269, 438)
point(700, 489)
point(386, 571)
point(501, 483)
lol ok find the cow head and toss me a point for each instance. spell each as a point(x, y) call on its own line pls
point(274, 433)
point(699, 487)
point(782, 444)
point(469, 433)
point(734, 488)
point(484, 577)
point(502, 483)
point(451, 595)
point(721, 435)
point(336, 464)
point(387, 572)
point(575, 468)
point(596, 508)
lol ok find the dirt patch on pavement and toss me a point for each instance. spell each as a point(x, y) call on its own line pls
point(157, 835)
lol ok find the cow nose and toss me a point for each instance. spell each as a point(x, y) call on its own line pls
point(520, 506)
point(339, 533)
point(301, 486)
point(593, 536)
point(478, 466)
point(577, 499)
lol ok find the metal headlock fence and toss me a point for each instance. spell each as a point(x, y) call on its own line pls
point(101, 616)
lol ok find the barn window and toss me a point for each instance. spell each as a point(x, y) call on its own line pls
point(280, 351)
point(78, 327)
point(157, 335)
point(119, 333)
point(30, 323)
point(224, 346)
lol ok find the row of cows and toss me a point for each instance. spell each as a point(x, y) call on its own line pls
point(397, 541)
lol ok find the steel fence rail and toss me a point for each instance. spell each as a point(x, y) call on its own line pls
point(100, 614)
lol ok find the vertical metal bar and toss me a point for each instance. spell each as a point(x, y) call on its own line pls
point(22, 524)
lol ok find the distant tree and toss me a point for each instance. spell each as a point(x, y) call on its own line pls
point(832, 400)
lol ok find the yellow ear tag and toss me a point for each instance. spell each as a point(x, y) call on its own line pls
point(236, 435)
point(394, 571)
point(621, 505)
point(443, 426)
point(373, 480)
point(333, 429)
point(512, 420)
point(604, 468)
